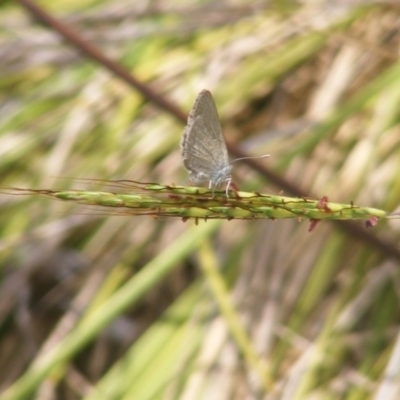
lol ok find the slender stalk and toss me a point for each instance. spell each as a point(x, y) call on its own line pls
point(192, 202)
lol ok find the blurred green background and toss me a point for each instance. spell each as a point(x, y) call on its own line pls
point(95, 305)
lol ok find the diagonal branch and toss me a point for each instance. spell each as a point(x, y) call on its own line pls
point(353, 230)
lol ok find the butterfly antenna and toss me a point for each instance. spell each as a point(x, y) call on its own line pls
point(246, 158)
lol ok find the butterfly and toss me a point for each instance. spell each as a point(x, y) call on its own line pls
point(203, 146)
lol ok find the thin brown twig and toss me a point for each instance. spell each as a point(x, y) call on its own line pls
point(355, 231)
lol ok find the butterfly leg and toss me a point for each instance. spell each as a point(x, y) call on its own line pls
point(211, 186)
point(228, 185)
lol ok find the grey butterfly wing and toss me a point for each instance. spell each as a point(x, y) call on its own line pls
point(203, 145)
